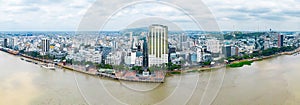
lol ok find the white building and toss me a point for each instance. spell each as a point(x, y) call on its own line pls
point(13, 42)
point(113, 58)
point(132, 57)
point(199, 55)
point(157, 45)
point(213, 45)
point(234, 50)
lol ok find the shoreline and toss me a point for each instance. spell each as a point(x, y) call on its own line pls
point(95, 74)
point(252, 60)
point(167, 74)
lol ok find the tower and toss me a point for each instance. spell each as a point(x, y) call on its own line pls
point(45, 45)
point(5, 43)
point(157, 45)
point(280, 40)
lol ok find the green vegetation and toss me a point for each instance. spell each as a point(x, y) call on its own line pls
point(175, 72)
point(272, 51)
point(104, 66)
point(267, 52)
point(207, 63)
point(240, 35)
point(37, 55)
point(233, 58)
point(69, 61)
point(240, 64)
point(171, 66)
point(155, 68)
point(120, 67)
point(137, 68)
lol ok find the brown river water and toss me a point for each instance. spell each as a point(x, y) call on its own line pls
point(275, 81)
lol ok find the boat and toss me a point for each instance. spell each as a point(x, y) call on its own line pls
point(22, 58)
point(28, 60)
point(49, 66)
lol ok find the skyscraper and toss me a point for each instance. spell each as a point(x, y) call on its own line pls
point(45, 45)
point(12, 42)
point(145, 52)
point(157, 45)
point(227, 51)
point(280, 40)
point(5, 43)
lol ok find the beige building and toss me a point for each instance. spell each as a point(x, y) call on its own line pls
point(157, 45)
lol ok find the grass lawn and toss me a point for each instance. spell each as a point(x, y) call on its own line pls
point(240, 64)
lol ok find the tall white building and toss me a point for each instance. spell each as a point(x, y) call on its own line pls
point(45, 45)
point(199, 55)
point(157, 45)
point(11, 42)
point(213, 45)
point(132, 58)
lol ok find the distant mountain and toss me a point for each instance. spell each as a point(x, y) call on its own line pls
point(141, 29)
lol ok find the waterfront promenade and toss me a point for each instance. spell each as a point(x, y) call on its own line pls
point(156, 77)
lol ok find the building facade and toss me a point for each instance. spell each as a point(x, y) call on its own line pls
point(157, 45)
point(280, 40)
point(213, 45)
point(5, 42)
point(45, 45)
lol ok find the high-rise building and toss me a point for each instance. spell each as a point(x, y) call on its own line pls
point(145, 52)
point(45, 45)
point(213, 45)
point(5, 42)
point(280, 40)
point(199, 53)
point(234, 50)
point(12, 42)
point(172, 50)
point(227, 51)
point(182, 39)
point(157, 45)
point(131, 39)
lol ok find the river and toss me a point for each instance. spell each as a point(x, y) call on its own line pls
point(270, 82)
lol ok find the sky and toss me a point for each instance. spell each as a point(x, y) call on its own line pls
point(231, 15)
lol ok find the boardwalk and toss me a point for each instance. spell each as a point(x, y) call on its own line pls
point(156, 76)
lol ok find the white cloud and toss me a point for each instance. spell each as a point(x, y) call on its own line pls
point(249, 14)
point(41, 15)
point(67, 14)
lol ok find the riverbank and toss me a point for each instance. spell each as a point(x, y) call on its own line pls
point(241, 63)
point(132, 76)
point(157, 77)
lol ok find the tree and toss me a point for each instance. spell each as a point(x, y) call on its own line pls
point(171, 66)
point(207, 63)
point(104, 66)
point(137, 68)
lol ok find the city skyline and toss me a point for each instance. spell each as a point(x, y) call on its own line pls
point(149, 52)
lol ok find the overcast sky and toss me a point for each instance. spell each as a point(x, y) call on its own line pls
point(65, 15)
